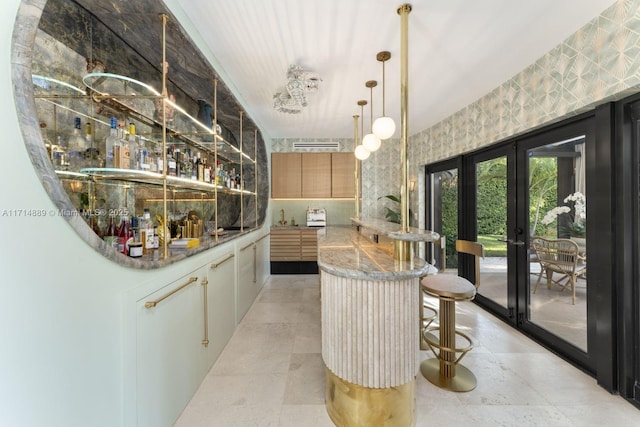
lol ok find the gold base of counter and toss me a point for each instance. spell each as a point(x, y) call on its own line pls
point(352, 405)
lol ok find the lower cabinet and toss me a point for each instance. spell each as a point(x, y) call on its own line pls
point(169, 349)
point(176, 331)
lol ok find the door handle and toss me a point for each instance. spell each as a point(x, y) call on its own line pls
point(512, 242)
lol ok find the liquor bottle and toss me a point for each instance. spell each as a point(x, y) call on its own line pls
point(143, 157)
point(199, 167)
point(125, 234)
point(124, 157)
point(77, 147)
point(188, 165)
point(110, 233)
point(177, 156)
point(207, 172)
point(146, 232)
point(159, 159)
point(171, 162)
point(133, 147)
point(110, 143)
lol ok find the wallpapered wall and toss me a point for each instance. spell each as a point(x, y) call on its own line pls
point(598, 63)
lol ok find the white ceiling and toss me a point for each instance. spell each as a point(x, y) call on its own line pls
point(459, 50)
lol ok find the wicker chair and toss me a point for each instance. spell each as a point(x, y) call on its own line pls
point(560, 256)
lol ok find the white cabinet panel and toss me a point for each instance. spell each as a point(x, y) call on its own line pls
point(168, 349)
point(221, 297)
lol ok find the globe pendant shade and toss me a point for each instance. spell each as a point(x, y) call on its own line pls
point(362, 153)
point(384, 127)
point(371, 142)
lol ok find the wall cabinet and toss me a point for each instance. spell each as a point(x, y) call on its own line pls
point(286, 169)
point(342, 175)
point(316, 175)
point(312, 175)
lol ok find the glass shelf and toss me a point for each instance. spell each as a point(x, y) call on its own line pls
point(145, 102)
point(157, 179)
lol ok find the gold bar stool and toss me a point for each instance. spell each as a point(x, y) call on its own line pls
point(445, 369)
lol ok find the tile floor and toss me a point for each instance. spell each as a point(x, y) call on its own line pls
point(271, 374)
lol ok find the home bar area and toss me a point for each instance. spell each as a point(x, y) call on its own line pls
point(197, 234)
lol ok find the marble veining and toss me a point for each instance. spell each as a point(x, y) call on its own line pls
point(344, 252)
point(393, 230)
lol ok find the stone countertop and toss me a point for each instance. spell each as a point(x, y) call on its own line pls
point(392, 230)
point(344, 252)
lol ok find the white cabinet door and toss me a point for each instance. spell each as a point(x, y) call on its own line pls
point(262, 260)
point(221, 297)
point(169, 350)
point(247, 289)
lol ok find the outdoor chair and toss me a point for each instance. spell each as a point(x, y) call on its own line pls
point(560, 256)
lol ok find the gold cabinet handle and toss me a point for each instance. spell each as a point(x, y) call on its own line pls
point(205, 341)
point(151, 304)
point(218, 264)
point(266, 235)
point(248, 246)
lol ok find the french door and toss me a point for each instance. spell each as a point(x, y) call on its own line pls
point(530, 187)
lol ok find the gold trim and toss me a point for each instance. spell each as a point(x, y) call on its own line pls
point(218, 264)
point(205, 340)
point(151, 304)
point(351, 404)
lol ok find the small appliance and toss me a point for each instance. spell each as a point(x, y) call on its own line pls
point(316, 217)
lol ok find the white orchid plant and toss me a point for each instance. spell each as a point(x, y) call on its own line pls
point(578, 223)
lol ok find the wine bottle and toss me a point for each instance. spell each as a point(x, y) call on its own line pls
point(110, 233)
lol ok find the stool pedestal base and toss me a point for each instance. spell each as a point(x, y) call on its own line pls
point(464, 380)
point(350, 404)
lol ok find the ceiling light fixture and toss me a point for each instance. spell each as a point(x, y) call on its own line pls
point(293, 98)
point(384, 127)
point(361, 152)
point(370, 141)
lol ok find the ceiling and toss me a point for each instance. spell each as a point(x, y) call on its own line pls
point(459, 50)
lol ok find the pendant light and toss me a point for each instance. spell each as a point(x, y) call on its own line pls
point(361, 152)
point(384, 127)
point(370, 141)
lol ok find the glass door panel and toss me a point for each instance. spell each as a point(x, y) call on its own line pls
point(491, 228)
point(442, 217)
point(557, 214)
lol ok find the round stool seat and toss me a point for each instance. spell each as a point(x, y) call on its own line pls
point(448, 286)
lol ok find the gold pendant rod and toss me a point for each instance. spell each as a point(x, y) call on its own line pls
point(357, 168)
point(404, 11)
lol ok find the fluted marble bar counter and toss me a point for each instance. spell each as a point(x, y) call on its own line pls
point(370, 322)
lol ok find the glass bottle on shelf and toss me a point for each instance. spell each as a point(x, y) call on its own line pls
point(122, 158)
point(133, 147)
point(171, 162)
point(110, 143)
point(188, 165)
point(146, 232)
point(199, 167)
point(177, 156)
point(125, 234)
point(110, 233)
point(207, 172)
point(77, 147)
